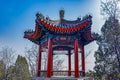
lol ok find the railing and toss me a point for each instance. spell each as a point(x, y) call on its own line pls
point(60, 73)
point(43, 73)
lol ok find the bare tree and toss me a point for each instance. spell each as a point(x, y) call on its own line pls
point(110, 8)
point(58, 63)
point(7, 56)
point(32, 55)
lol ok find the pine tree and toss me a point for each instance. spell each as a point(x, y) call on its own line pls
point(6, 60)
point(108, 54)
point(2, 69)
point(22, 69)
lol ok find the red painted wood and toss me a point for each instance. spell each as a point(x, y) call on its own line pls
point(39, 61)
point(83, 60)
point(76, 58)
point(69, 63)
point(49, 66)
point(64, 30)
point(52, 64)
point(34, 34)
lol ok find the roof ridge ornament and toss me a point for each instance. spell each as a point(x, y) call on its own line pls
point(61, 13)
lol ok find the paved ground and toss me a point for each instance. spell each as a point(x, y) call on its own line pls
point(61, 78)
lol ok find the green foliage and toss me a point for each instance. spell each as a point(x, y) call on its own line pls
point(10, 70)
point(22, 68)
point(92, 74)
point(107, 56)
point(2, 70)
point(118, 75)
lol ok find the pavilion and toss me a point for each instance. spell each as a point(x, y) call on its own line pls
point(60, 35)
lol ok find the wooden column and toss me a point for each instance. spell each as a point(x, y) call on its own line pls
point(52, 65)
point(49, 66)
point(39, 61)
point(69, 63)
point(76, 58)
point(83, 60)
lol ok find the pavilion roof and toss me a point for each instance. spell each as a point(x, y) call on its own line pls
point(62, 27)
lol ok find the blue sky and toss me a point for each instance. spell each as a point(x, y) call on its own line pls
point(16, 16)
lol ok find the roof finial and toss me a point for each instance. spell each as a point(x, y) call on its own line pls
point(61, 13)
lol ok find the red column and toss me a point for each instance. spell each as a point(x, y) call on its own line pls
point(83, 60)
point(49, 66)
point(52, 64)
point(76, 58)
point(69, 63)
point(39, 61)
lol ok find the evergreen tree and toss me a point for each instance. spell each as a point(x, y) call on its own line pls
point(2, 70)
point(12, 74)
point(22, 68)
point(6, 60)
point(108, 54)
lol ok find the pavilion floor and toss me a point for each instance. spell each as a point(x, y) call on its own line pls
point(61, 78)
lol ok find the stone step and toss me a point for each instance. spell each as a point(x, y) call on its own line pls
point(61, 78)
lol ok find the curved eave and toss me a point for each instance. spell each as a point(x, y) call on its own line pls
point(86, 39)
point(87, 35)
point(64, 30)
point(35, 35)
point(86, 42)
point(89, 39)
point(34, 41)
